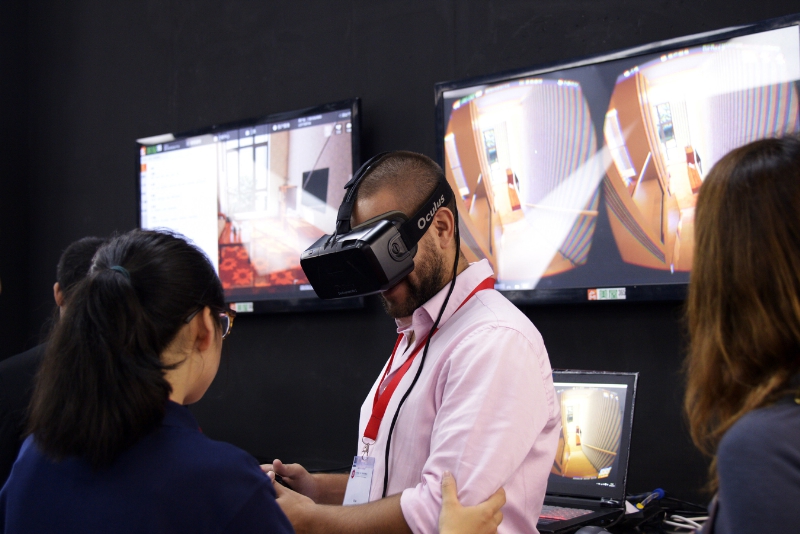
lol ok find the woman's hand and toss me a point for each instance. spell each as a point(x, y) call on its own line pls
point(456, 519)
point(297, 507)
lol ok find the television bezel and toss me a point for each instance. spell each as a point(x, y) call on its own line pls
point(281, 303)
point(634, 292)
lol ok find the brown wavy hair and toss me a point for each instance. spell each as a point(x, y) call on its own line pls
point(743, 309)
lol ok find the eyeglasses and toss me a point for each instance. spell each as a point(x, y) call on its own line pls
point(225, 317)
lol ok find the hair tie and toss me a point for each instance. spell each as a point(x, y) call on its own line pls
point(123, 270)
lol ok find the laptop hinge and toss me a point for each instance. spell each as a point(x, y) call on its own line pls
point(609, 503)
point(573, 501)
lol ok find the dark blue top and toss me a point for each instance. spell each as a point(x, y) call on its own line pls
point(758, 463)
point(173, 480)
point(16, 387)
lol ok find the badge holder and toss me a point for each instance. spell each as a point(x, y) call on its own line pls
point(360, 482)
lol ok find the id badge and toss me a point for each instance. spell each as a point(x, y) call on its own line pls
point(360, 481)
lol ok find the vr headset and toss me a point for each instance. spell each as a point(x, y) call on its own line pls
point(376, 254)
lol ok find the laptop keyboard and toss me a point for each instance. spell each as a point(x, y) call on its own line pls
point(558, 513)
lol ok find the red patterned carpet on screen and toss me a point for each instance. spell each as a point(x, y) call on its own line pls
point(236, 270)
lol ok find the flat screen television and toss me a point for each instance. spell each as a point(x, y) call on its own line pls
point(578, 180)
point(253, 195)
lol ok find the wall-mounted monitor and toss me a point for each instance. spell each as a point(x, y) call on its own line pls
point(253, 195)
point(578, 181)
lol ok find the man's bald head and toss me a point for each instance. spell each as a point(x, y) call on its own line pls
point(408, 177)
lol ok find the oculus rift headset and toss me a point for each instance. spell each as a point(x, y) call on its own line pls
point(376, 254)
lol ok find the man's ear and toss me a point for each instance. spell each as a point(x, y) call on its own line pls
point(58, 295)
point(444, 226)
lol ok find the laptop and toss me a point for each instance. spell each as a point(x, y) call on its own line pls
point(587, 480)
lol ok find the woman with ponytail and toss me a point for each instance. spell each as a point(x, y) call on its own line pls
point(743, 311)
point(112, 447)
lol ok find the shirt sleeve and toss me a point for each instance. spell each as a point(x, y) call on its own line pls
point(493, 403)
point(758, 463)
point(260, 514)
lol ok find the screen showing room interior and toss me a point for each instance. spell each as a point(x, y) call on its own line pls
point(588, 176)
point(591, 432)
point(253, 198)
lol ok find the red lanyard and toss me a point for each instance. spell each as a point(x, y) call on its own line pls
point(381, 400)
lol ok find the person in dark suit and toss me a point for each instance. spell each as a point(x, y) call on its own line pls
point(17, 372)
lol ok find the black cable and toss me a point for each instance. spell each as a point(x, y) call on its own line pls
point(618, 519)
point(680, 501)
point(424, 354)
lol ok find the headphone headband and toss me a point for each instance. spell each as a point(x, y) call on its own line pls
point(411, 230)
point(346, 208)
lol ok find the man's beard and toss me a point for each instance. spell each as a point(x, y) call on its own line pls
point(430, 280)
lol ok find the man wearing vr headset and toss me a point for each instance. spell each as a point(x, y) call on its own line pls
point(468, 388)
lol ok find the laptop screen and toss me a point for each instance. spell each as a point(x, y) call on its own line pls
point(596, 418)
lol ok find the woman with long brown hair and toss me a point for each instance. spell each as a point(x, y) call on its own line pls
point(744, 325)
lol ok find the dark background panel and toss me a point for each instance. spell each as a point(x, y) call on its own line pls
point(80, 81)
point(14, 176)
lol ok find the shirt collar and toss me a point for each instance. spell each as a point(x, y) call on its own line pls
point(424, 316)
point(180, 416)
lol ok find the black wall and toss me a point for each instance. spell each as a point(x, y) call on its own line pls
point(82, 80)
point(14, 176)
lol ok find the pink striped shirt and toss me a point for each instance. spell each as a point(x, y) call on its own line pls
point(483, 408)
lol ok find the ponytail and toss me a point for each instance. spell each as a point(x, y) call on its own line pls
point(101, 386)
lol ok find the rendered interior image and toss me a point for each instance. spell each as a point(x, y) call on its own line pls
point(671, 119)
point(276, 197)
point(521, 155)
point(591, 422)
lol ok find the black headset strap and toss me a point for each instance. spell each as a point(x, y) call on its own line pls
point(415, 227)
point(346, 208)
